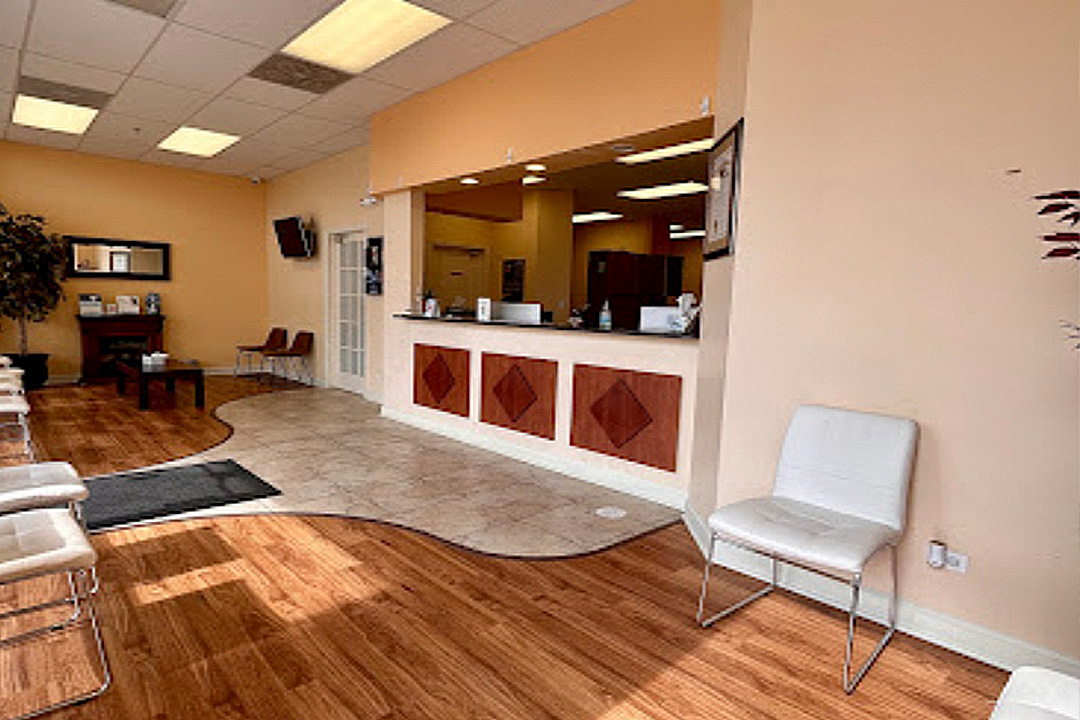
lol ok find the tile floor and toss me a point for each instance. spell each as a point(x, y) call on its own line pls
point(329, 451)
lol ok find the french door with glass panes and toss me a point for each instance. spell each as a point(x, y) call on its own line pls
point(347, 357)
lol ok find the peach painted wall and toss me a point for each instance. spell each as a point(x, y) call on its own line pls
point(217, 295)
point(888, 260)
point(643, 66)
point(330, 192)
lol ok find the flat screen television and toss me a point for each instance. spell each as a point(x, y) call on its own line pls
point(293, 238)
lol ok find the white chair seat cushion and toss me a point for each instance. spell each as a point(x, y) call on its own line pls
point(42, 484)
point(11, 372)
point(14, 404)
point(41, 541)
point(802, 532)
point(10, 384)
point(1034, 693)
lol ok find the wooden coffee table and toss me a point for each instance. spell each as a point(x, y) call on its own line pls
point(169, 372)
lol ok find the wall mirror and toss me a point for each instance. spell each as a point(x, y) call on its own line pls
point(135, 259)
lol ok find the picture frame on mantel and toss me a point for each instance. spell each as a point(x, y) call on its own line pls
point(722, 201)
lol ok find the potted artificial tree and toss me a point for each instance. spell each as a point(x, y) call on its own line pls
point(31, 276)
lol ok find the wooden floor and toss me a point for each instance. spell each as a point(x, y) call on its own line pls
point(100, 432)
point(318, 617)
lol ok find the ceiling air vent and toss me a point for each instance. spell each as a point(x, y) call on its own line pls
point(160, 8)
point(49, 90)
point(299, 74)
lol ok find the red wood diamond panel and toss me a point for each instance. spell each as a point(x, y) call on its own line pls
point(519, 393)
point(441, 378)
point(628, 414)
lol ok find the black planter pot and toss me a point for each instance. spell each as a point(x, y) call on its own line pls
point(35, 367)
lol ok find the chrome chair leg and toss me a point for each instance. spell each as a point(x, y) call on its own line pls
point(706, 622)
point(28, 444)
point(850, 683)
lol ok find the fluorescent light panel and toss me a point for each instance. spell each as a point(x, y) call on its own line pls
point(687, 234)
point(536, 167)
point(594, 217)
point(532, 179)
point(675, 226)
point(667, 152)
point(52, 115)
point(664, 191)
point(193, 141)
point(360, 33)
point(469, 181)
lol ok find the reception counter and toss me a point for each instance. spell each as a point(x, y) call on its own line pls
point(610, 407)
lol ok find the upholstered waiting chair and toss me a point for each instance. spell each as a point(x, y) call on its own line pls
point(277, 339)
point(40, 543)
point(295, 358)
point(840, 496)
point(14, 412)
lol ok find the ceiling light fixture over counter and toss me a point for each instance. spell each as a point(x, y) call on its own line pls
point(193, 141)
point(664, 153)
point(469, 181)
point(595, 217)
point(52, 115)
point(687, 234)
point(664, 191)
point(536, 167)
point(532, 179)
point(361, 33)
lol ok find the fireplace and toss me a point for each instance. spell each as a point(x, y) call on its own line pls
point(108, 339)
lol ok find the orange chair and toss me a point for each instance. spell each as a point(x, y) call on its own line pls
point(276, 340)
point(296, 357)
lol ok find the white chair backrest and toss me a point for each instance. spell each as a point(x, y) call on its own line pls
point(851, 462)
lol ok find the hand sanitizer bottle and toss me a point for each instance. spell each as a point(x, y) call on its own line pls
point(605, 316)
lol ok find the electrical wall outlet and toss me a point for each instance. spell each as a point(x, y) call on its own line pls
point(957, 562)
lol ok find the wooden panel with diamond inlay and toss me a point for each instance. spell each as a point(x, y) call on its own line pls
point(441, 378)
point(628, 414)
point(519, 393)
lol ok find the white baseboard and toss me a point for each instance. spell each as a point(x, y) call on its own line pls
point(933, 626)
point(611, 479)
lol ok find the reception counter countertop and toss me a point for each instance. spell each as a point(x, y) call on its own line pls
point(545, 326)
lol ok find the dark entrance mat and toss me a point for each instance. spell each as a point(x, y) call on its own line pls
point(129, 497)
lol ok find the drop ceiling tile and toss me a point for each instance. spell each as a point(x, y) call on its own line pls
point(13, 17)
point(9, 69)
point(300, 159)
point(455, 9)
point(234, 117)
point(137, 132)
point(255, 151)
point(34, 136)
point(267, 172)
point(348, 139)
point(92, 32)
point(271, 94)
point(195, 59)
point(157, 101)
point(268, 23)
point(354, 101)
point(297, 131)
point(526, 21)
point(112, 148)
point(453, 51)
point(69, 73)
point(164, 157)
point(228, 166)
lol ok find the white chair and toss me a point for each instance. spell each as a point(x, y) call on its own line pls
point(14, 412)
point(40, 543)
point(840, 496)
point(1034, 693)
point(41, 485)
point(5, 361)
point(10, 386)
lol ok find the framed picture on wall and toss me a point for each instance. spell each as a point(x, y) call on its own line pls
point(373, 266)
point(722, 201)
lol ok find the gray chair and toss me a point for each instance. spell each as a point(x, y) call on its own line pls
point(840, 496)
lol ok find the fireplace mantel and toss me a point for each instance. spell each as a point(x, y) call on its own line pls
point(99, 330)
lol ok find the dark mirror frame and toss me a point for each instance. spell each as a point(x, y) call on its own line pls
point(74, 240)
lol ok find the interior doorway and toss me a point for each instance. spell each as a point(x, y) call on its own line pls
point(346, 359)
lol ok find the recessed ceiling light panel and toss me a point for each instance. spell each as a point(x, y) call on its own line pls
point(664, 191)
point(195, 141)
point(598, 216)
point(532, 179)
point(52, 115)
point(666, 152)
point(360, 33)
point(687, 234)
point(536, 167)
point(469, 181)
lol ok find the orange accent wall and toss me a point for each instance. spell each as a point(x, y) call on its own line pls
point(214, 223)
point(645, 65)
